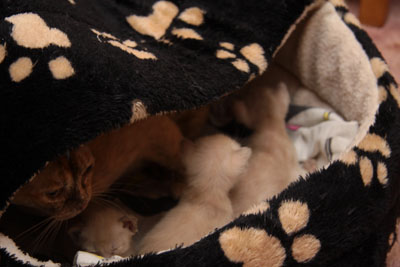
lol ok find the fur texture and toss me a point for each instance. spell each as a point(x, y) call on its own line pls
point(43, 116)
point(64, 187)
point(213, 165)
point(273, 164)
point(105, 230)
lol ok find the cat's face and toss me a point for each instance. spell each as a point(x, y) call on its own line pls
point(63, 188)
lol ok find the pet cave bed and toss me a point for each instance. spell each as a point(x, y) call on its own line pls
point(72, 69)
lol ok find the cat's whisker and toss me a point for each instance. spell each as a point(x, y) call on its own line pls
point(109, 203)
point(100, 201)
point(34, 228)
point(116, 192)
point(122, 191)
point(97, 193)
point(103, 204)
point(54, 232)
point(103, 196)
point(38, 241)
point(130, 184)
point(143, 202)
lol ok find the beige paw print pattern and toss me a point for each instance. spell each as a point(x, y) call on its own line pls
point(31, 31)
point(370, 143)
point(3, 52)
point(252, 53)
point(128, 46)
point(159, 21)
point(255, 247)
point(373, 143)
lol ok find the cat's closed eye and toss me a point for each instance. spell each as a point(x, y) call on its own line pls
point(88, 169)
point(86, 174)
point(54, 193)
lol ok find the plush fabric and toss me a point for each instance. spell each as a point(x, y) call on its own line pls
point(319, 134)
point(72, 69)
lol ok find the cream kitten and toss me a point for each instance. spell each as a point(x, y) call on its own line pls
point(105, 230)
point(213, 165)
point(273, 164)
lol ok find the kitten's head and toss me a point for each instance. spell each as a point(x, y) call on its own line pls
point(63, 188)
point(215, 156)
point(104, 231)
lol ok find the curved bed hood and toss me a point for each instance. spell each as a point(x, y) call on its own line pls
point(72, 69)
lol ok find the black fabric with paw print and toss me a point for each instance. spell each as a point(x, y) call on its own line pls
point(73, 69)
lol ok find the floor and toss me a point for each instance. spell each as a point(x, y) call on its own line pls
point(387, 39)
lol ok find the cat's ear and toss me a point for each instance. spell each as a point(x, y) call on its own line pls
point(82, 160)
point(75, 232)
point(129, 222)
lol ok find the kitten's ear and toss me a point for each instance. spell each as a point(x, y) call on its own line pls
point(74, 233)
point(129, 222)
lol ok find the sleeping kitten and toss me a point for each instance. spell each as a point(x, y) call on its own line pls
point(213, 165)
point(273, 164)
point(64, 187)
point(104, 230)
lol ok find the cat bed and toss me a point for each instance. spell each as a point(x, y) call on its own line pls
point(72, 69)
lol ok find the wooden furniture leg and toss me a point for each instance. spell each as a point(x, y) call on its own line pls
point(374, 12)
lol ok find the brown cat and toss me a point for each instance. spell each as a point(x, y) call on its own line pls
point(65, 186)
point(192, 122)
point(156, 139)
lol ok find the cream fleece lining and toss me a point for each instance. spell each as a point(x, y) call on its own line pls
point(325, 56)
